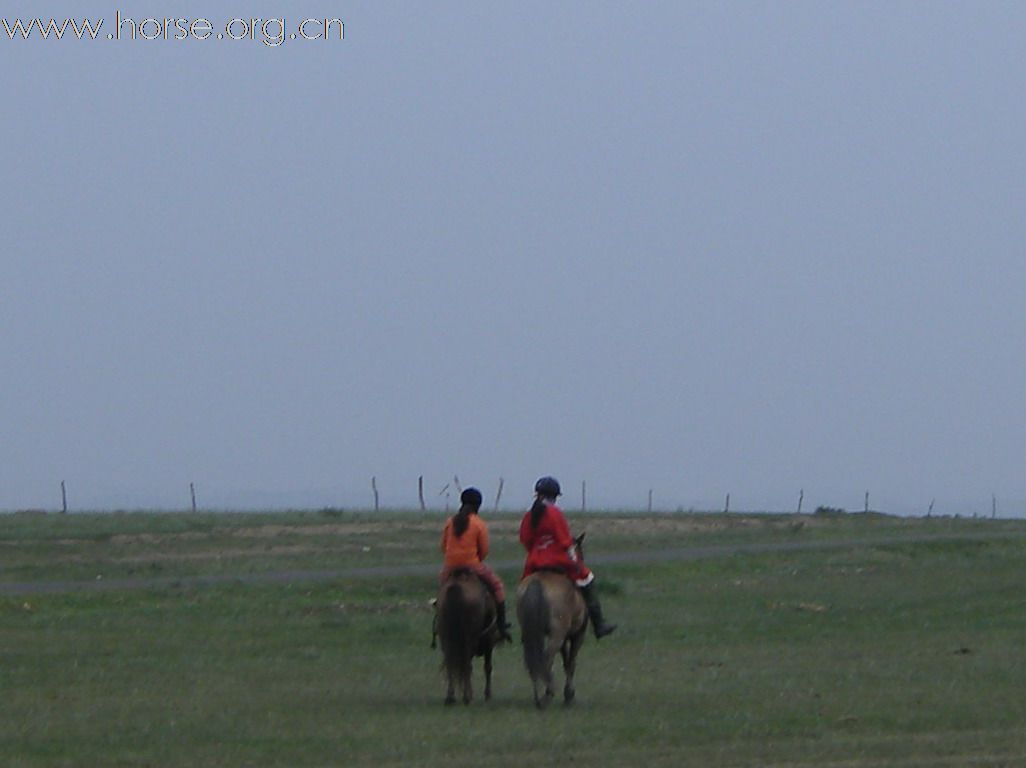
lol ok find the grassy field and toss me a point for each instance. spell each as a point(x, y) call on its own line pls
point(899, 644)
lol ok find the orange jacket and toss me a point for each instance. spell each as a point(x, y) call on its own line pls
point(470, 548)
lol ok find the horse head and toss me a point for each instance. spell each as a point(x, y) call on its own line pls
point(579, 544)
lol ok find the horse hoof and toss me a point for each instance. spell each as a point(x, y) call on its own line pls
point(450, 700)
point(568, 697)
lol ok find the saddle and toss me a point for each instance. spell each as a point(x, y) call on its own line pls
point(558, 572)
point(454, 575)
point(551, 569)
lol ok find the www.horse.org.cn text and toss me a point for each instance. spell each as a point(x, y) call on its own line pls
point(270, 32)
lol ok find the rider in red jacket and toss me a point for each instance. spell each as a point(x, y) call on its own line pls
point(546, 537)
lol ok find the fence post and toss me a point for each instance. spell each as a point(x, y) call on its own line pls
point(64, 499)
point(498, 494)
point(192, 493)
point(420, 492)
point(374, 487)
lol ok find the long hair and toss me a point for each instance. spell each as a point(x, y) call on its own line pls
point(461, 519)
point(537, 511)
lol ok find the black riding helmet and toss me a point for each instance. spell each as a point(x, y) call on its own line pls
point(471, 497)
point(548, 487)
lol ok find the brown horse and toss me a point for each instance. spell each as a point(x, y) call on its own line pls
point(553, 617)
point(466, 628)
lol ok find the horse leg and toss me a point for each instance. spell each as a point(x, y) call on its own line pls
point(542, 701)
point(450, 694)
point(569, 652)
point(468, 682)
point(547, 677)
point(537, 683)
point(568, 686)
point(544, 678)
point(549, 693)
point(488, 673)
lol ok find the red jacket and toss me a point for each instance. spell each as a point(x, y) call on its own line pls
point(548, 543)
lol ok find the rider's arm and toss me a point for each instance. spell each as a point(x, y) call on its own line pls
point(560, 528)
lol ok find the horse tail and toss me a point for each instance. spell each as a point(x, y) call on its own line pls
point(533, 613)
point(457, 646)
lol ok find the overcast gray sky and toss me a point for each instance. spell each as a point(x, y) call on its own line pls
point(695, 247)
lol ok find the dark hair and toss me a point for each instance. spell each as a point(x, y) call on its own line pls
point(537, 511)
point(461, 519)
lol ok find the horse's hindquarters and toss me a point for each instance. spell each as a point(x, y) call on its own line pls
point(552, 618)
point(463, 618)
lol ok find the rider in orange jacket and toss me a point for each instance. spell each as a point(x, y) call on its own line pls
point(465, 545)
point(546, 537)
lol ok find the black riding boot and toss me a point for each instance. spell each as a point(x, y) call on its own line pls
point(500, 622)
point(595, 612)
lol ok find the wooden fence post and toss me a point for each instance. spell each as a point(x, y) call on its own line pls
point(584, 497)
point(420, 492)
point(498, 494)
point(64, 499)
point(192, 493)
point(650, 501)
point(374, 487)
point(801, 497)
point(726, 506)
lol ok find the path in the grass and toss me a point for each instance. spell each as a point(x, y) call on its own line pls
point(428, 569)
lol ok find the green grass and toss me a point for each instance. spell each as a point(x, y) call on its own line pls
point(870, 655)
